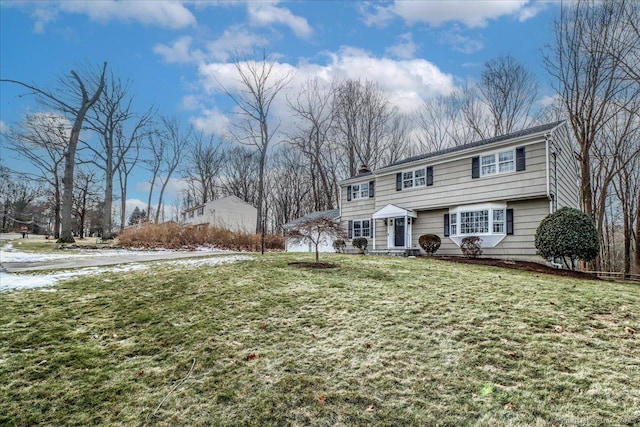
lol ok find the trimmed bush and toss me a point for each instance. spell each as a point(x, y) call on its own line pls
point(360, 243)
point(430, 243)
point(470, 246)
point(568, 234)
point(339, 246)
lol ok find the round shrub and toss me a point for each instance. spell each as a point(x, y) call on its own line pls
point(339, 246)
point(430, 243)
point(470, 246)
point(360, 243)
point(568, 234)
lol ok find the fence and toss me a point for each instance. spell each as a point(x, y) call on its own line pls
point(616, 275)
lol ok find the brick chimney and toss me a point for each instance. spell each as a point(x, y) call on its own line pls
point(363, 169)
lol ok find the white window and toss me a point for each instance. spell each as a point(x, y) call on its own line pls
point(501, 162)
point(453, 224)
point(498, 221)
point(474, 222)
point(360, 191)
point(190, 214)
point(362, 228)
point(414, 178)
point(488, 221)
point(201, 211)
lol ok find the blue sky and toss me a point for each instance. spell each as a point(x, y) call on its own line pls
point(171, 51)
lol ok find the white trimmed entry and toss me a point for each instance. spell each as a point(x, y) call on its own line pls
point(398, 222)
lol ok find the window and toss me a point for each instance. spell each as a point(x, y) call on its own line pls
point(454, 224)
point(201, 211)
point(498, 221)
point(414, 178)
point(501, 162)
point(360, 191)
point(190, 214)
point(492, 222)
point(362, 228)
point(474, 222)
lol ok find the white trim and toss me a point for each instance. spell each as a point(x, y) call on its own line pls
point(393, 211)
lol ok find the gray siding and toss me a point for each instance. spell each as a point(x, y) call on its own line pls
point(563, 176)
point(453, 185)
point(526, 218)
point(356, 209)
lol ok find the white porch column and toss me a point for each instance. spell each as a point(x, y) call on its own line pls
point(373, 230)
point(406, 230)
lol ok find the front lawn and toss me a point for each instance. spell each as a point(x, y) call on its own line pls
point(377, 341)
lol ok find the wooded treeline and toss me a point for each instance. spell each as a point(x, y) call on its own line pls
point(288, 166)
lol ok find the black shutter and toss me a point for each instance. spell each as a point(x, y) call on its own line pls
point(350, 232)
point(399, 181)
point(475, 167)
point(348, 193)
point(520, 159)
point(446, 225)
point(429, 175)
point(371, 187)
point(509, 221)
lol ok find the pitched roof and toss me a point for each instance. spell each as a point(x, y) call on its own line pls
point(512, 135)
point(328, 214)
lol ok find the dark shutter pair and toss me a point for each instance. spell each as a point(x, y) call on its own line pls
point(509, 223)
point(520, 163)
point(350, 230)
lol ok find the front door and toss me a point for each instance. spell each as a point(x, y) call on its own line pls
point(398, 232)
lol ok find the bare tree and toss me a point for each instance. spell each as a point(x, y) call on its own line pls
point(588, 76)
point(42, 140)
point(177, 139)
point(316, 231)
point(508, 90)
point(259, 87)
point(155, 144)
point(362, 114)
point(74, 97)
point(239, 176)
point(85, 197)
point(120, 130)
point(313, 121)
point(202, 165)
point(127, 164)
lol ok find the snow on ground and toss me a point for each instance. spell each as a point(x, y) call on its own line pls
point(11, 281)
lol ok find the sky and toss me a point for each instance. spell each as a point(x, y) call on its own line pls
point(176, 53)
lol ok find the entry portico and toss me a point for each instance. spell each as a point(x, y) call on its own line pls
point(398, 222)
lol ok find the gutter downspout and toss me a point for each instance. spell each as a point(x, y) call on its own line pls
point(547, 171)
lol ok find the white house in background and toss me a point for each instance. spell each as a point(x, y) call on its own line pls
point(296, 246)
point(230, 212)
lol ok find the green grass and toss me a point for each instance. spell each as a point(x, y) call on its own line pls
point(378, 341)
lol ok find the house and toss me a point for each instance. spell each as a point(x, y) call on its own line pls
point(230, 212)
point(498, 189)
point(294, 245)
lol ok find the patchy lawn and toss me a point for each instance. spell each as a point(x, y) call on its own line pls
point(376, 341)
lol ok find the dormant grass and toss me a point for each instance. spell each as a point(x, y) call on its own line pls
point(377, 341)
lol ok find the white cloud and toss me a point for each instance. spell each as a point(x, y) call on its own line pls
point(460, 42)
point(235, 40)
point(474, 13)
point(166, 14)
point(405, 48)
point(212, 121)
point(406, 82)
point(178, 52)
point(42, 16)
point(3, 127)
point(265, 14)
point(471, 13)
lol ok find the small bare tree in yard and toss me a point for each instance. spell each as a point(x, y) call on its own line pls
point(74, 97)
point(316, 232)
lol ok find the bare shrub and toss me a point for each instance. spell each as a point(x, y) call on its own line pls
point(174, 236)
point(430, 243)
point(470, 246)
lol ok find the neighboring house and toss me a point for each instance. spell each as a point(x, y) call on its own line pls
point(230, 212)
point(291, 245)
point(498, 189)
